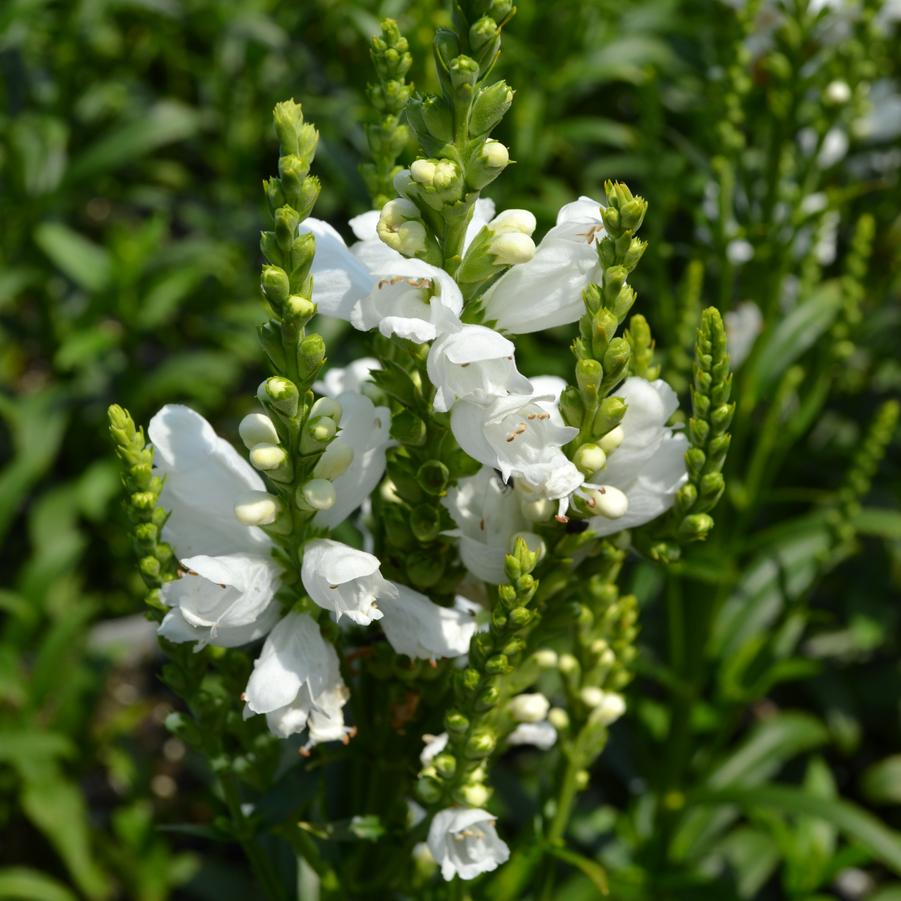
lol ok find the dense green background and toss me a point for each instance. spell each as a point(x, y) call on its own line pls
point(133, 140)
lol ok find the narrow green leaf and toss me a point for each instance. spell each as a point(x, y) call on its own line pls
point(83, 261)
point(881, 783)
point(22, 884)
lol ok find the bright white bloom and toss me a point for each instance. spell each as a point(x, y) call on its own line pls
point(434, 745)
point(547, 290)
point(523, 438)
point(541, 735)
point(529, 708)
point(296, 682)
point(465, 843)
point(609, 707)
point(365, 431)
point(226, 596)
point(643, 474)
point(354, 377)
point(488, 515)
point(743, 325)
point(417, 627)
point(344, 580)
point(472, 362)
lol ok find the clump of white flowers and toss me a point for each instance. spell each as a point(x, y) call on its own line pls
point(380, 504)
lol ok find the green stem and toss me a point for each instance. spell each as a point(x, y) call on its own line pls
point(566, 797)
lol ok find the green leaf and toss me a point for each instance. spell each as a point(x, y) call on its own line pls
point(165, 123)
point(589, 868)
point(879, 522)
point(22, 884)
point(23, 749)
point(881, 783)
point(856, 824)
point(83, 261)
point(57, 808)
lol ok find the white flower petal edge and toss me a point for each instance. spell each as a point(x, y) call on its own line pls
point(296, 682)
point(434, 745)
point(547, 290)
point(345, 581)
point(417, 627)
point(541, 735)
point(205, 477)
point(488, 515)
point(365, 428)
point(352, 377)
point(465, 843)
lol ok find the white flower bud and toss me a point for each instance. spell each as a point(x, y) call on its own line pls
point(612, 440)
point(529, 708)
point(607, 658)
point(326, 406)
point(334, 461)
point(605, 500)
point(388, 491)
point(495, 155)
point(267, 457)
point(538, 510)
point(558, 718)
point(838, 93)
point(423, 172)
point(257, 428)
point(476, 795)
point(257, 508)
point(511, 248)
point(412, 238)
point(589, 458)
point(567, 664)
point(319, 494)
point(739, 251)
point(598, 646)
point(591, 696)
point(396, 212)
point(521, 221)
point(611, 708)
point(546, 658)
point(535, 543)
point(322, 428)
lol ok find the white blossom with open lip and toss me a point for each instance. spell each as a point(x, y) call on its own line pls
point(417, 627)
point(226, 595)
point(365, 429)
point(296, 682)
point(547, 290)
point(472, 362)
point(648, 467)
point(344, 580)
point(488, 514)
point(523, 437)
point(464, 841)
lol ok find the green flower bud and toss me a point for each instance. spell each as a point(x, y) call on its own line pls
point(286, 222)
point(609, 415)
point(455, 722)
point(589, 376)
point(446, 46)
point(446, 765)
point(695, 527)
point(474, 795)
point(489, 107)
point(428, 790)
point(590, 458)
point(464, 72)
point(497, 665)
point(271, 338)
point(280, 394)
point(433, 477)
point(299, 310)
point(483, 34)
point(480, 744)
point(322, 429)
point(571, 406)
point(303, 249)
point(616, 360)
point(275, 285)
point(317, 494)
point(425, 521)
point(311, 355)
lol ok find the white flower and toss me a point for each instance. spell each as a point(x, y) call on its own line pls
point(353, 377)
point(648, 467)
point(344, 580)
point(417, 627)
point(365, 431)
point(523, 438)
point(609, 708)
point(743, 325)
point(488, 515)
point(541, 735)
point(434, 745)
point(547, 290)
point(464, 842)
point(296, 682)
point(226, 596)
point(472, 362)
point(529, 708)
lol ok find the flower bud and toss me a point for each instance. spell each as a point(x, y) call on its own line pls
point(489, 107)
point(464, 72)
point(279, 393)
point(311, 354)
point(266, 457)
point(609, 709)
point(545, 658)
point(322, 429)
point(317, 494)
point(605, 500)
point(275, 285)
point(535, 543)
point(495, 155)
point(482, 33)
point(589, 375)
point(529, 708)
point(538, 510)
point(454, 721)
point(511, 248)
point(257, 428)
point(257, 508)
point(299, 310)
point(521, 221)
point(475, 795)
point(445, 764)
point(558, 718)
point(612, 440)
point(838, 93)
point(591, 696)
point(428, 789)
point(568, 664)
point(327, 406)
point(480, 744)
point(335, 460)
point(590, 458)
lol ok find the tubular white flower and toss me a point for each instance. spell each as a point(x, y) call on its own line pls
point(296, 682)
point(472, 362)
point(365, 433)
point(547, 290)
point(487, 514)
point(523, 438)
point(541, 735)
point(465, 843)
point(226, 596)
point(417, 627)
point(344, 580)
point(648, 467)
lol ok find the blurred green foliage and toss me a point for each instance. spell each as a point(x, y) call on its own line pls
point(133, 138)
